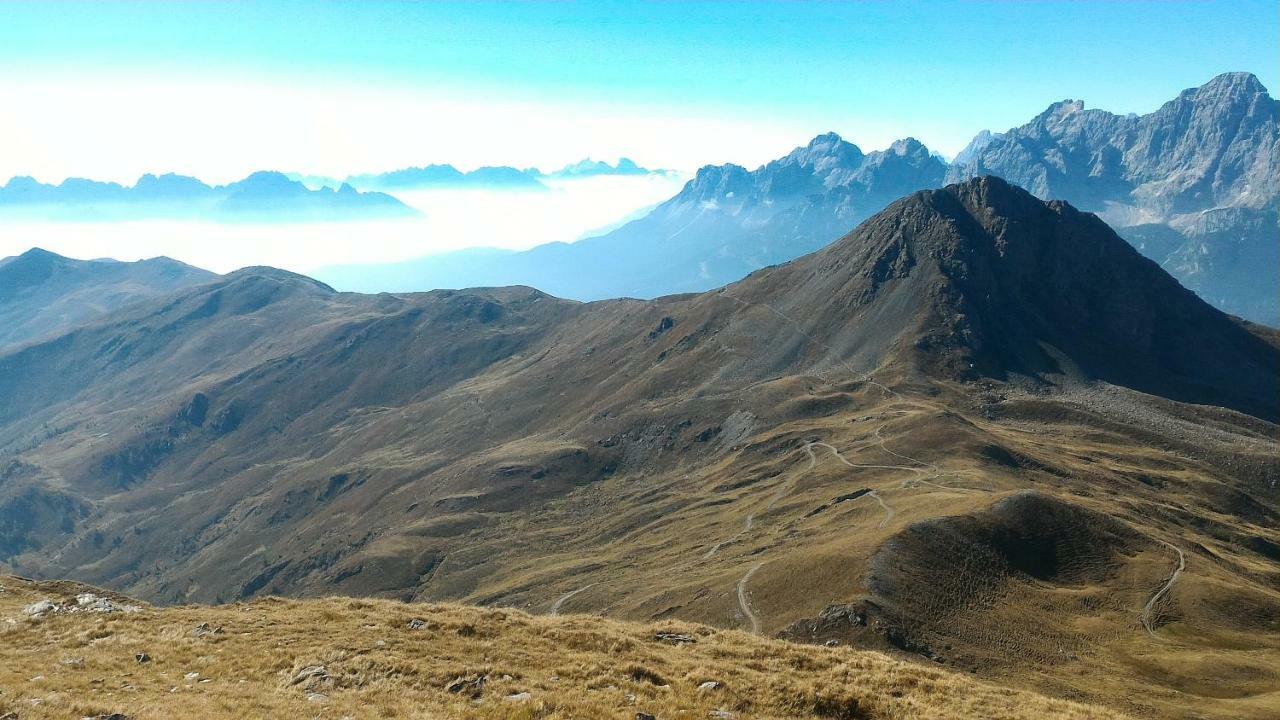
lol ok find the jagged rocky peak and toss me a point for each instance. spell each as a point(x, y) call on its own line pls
point(1060, 112)
point(716, 181)
point(1229, 85)
point(969, 155)
point(828, 147)
point(908, 146)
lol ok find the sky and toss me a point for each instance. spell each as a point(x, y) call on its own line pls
point(110, 90)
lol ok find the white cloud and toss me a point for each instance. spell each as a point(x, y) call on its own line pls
point(452, 219)
point(219, 130)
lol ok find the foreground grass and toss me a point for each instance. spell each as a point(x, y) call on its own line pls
point(245, 661)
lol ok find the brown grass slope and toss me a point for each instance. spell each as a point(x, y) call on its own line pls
point(839, 447)
point(250, 660)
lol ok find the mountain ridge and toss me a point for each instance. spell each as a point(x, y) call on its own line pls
point(43, 293)
point(261, 196)
point(728, 221)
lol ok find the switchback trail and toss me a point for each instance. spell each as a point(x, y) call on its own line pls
point(746, 528)
point(1164, 590)
point(744, 604)
point(921, 468)
point(555, 606)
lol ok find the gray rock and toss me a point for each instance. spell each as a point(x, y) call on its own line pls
point(205, 629)
point(88, 602)
point(40, 608)
point(467, 685)
point(674, 638)
point(310, 677)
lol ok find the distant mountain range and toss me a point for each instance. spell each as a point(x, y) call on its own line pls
point(1193, 185)
point(492, 178)
point(594, 168)
point(260, 197)
point(725, 223)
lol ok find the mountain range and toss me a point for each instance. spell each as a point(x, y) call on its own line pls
point(1193, 185)
point(260, 197)
point(725, 223)
point(980, 430)
point(500, 177)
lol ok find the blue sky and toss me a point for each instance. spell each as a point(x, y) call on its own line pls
point(333, 87)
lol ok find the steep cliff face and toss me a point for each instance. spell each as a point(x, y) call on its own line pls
point(1212, 146)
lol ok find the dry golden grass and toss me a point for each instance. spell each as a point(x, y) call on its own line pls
point(79, 664)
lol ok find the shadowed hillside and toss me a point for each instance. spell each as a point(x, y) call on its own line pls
point(42, 293)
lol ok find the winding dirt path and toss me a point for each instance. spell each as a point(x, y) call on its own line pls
point(744, 603)
point(555, 606)
point(888, 511)
point(1164, 590)
point(746, 528)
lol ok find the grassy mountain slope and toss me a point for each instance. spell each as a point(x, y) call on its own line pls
point(252, 660)
point(43, 294)
point(858, 445)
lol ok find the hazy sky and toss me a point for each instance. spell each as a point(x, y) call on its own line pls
point(111, 90)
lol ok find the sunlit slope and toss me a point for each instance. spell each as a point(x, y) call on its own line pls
point(374, 658)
